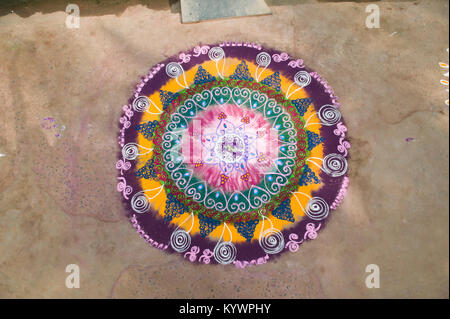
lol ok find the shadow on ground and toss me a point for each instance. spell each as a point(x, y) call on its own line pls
point(26, 8)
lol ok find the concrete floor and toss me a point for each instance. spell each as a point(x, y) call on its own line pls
point(58, 199)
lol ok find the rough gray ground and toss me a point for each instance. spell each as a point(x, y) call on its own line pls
point(57, 195)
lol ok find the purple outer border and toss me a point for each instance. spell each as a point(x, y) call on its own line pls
point(248, 254)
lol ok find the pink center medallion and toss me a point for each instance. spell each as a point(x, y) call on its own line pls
point(230, 147)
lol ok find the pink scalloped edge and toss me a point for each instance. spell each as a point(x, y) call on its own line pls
point(328, 89)
point(127, 109)
point(125, 120)
point(341, 130)
point(254, 262)
point(240, 44)
point(208, 254)
point(293, 245)
point(144, 235)
point(146, 78)
point(341, 193)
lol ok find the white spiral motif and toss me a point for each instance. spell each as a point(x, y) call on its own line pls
point(141, 103)
point(271, 241)
point(334, 165)
point(140, 203)
point(225, 252)
point(317, 208)
point(174, 69)
point(329, 115)
point(180, 240)
point(130, 151)
point(302, 78)
point(216, 54)
point(263, 59)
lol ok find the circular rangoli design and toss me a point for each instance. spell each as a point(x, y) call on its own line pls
point(231, 154)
